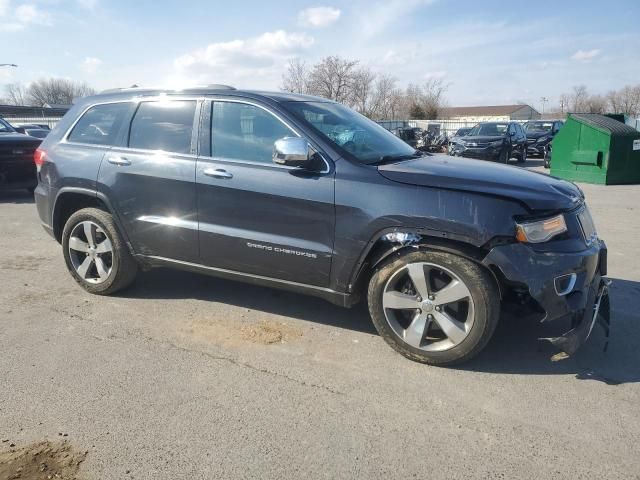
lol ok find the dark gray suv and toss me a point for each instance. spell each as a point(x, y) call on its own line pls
point(301, 193)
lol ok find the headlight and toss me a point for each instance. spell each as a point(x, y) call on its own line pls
point(496, 144)
point(541, 231)
point(543, 139)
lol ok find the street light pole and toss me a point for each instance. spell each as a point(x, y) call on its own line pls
point(543, 100)
point(8, 65)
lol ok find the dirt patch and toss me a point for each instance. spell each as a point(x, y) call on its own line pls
point(267, 333)
point(41, 461)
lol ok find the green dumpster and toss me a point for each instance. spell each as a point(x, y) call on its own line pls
point(596, 149)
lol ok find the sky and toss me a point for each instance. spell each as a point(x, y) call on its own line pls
point(487, 52)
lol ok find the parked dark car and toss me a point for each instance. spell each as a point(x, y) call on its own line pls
point(17, 170)
point(539, 135)
point(461, 132)
point(496, 141)
point(33, 131)
point(301, 193)
point(413, 136)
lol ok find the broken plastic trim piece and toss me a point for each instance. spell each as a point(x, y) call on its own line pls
point(402, 238)
point(601, 311)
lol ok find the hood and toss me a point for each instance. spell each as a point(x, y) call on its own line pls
point(537, 191)
point(536, 135)
point(15, 137)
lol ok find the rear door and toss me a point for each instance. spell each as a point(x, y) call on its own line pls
point(150, 179)
point(255, 216)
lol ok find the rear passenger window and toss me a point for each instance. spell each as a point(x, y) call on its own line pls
point(164, 126)
point(100, 124)
point(245, 132)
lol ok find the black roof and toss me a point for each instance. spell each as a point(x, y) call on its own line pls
point(607, 124)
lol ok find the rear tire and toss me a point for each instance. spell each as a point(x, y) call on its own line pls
point(456, 296)
point(95, 253)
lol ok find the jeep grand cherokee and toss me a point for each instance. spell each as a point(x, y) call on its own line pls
point(302, 193)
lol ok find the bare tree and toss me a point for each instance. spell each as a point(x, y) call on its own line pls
point(628, 101)
point(386, 98)
point(595, 104)
point(578, 99)
point(296, 78)
point(362, 91)
point(333, 78)
point(57, 91)
point(16, 94)
point(425, 101)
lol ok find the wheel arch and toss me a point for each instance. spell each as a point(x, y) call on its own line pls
point(71, 199)
point(392, 243)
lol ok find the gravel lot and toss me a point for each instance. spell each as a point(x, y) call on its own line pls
point(187, 376)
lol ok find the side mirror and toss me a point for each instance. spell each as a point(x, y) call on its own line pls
point(292, 152)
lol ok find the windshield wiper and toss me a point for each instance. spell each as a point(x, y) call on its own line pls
point(385, 159)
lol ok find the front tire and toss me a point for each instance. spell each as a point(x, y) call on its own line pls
point(434, 307)
point(523, 155)
point(504, 156)
point(95, 253)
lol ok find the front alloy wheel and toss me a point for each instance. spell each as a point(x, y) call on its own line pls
point(428, 306)
point(434, 307)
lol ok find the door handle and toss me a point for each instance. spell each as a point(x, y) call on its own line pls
point(116, 160)
point(217, 173)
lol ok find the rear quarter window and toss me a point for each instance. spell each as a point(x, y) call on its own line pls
point(100, 124)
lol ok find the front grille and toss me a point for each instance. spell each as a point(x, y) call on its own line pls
point(587, 225)
point(476, 144)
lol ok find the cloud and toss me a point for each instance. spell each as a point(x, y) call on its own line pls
point(88, 4)
point(586, 55)
point(30, 14)
point(17, 19)
point(376, 17)
point(90, 65)
point(256, 58)
point(318, 16)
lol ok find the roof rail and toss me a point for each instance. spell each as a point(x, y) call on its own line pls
point(219, 86)
point(213, 86)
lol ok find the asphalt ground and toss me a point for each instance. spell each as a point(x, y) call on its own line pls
point(189, 376)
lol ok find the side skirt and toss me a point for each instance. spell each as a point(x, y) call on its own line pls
point(337, 298)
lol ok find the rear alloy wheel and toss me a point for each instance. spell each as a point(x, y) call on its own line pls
point(95, 254)
point(434, 307)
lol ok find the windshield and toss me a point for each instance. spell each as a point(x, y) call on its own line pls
point(353, 133)
point(489, 129)
point(538, 127)
point(5, 127)
point(462, 132)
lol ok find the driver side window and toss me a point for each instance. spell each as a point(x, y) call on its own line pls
point(241, 131)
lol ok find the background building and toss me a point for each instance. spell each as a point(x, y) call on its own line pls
point(493, 113)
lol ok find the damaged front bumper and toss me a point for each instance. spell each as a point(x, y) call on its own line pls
point(565, 285)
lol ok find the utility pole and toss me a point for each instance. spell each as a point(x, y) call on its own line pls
point(544, 100)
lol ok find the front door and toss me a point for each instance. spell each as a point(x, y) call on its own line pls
point(254, 216)
point(151, 180)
